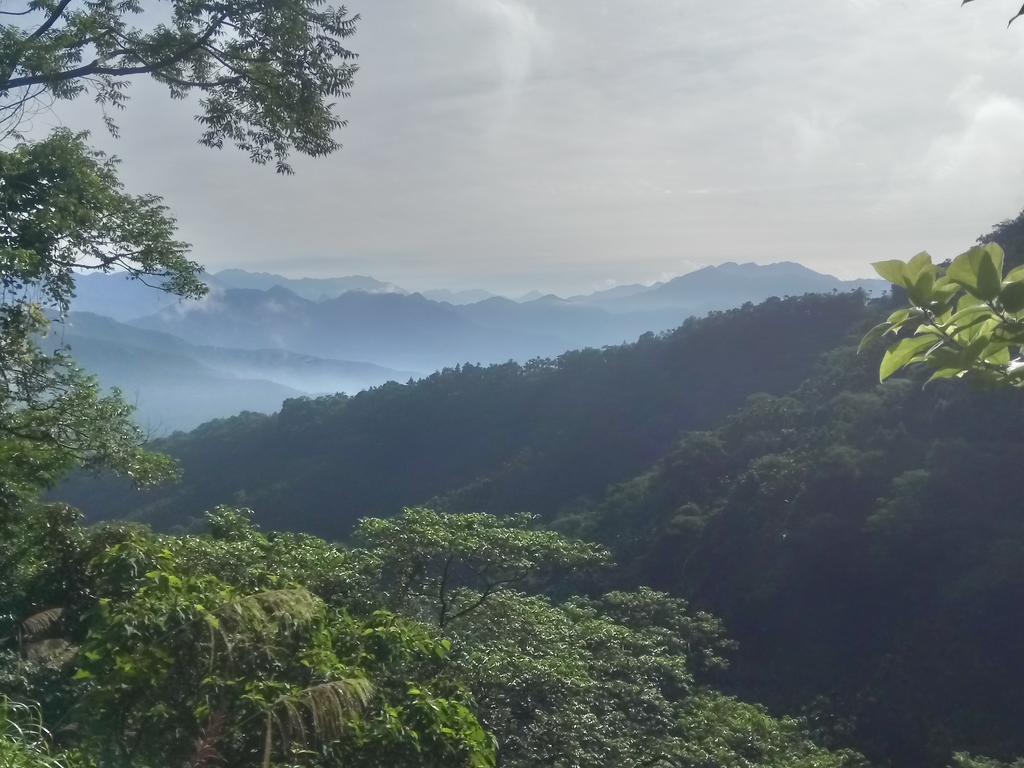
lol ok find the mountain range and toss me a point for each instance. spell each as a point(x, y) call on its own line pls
point(259, 338)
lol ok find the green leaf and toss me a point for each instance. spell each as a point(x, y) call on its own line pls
point(967, 300)
point(996, 252)
point(1014, 275)
point(1012, 297)
point(964, 269)
point(920, 289)
point(82, 674)
point(1000, 356)
point(891, 271)
point(899, 316)
point(968, 314)
point(875, 333)
point(989, 278)
point(945, 292)
point(945, 373)
point(916, 267)
point(976, 347)
point(902, 353)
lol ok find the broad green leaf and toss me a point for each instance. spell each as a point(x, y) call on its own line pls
point(945, 292)
point(891, 270)
point(967, 332)
point(945, 373)
point(920, 289)
point(999, 356)
point(967, 300)
point(916, 266)
point(964, 269)
point(948, 356)
point(1014, 275)
point(875, 333)
point(976, 347)
point(902, 353)
point(996, 252)
point(1012, 297)
point(989, 279)
point(970, 313)
point(899, 316)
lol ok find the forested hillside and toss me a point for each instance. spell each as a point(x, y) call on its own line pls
point(864, 543)
point(535, 437)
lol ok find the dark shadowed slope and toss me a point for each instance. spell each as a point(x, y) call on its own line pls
point(864, 543)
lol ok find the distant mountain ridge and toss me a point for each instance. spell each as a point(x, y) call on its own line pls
point(413, 332)
point(259, 338)
point(312, 288)
point(729, 285)
point(714, 287)
point(391, 329)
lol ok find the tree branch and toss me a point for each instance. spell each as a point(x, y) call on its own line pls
point(95, 68)
point(57, 13)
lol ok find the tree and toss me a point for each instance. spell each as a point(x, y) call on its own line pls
point(214, 649)
point(62, 210)
point(266, 71)
point(455, 563)
point(969, 317)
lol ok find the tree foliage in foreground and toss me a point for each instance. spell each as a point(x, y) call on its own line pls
point(248, 649)
point(967, 317)
point(266, 71)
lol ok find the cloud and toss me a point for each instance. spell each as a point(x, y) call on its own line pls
point(520, 36)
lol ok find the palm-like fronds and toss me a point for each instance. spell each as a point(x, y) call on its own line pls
point(40, 622)
point(264, 613)
point(318, 713)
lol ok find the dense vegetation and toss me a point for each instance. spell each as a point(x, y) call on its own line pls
point(862, 542)
point(239, 648)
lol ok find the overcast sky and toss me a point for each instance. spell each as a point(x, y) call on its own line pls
point(570, 145)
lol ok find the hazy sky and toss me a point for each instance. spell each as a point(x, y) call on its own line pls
point(517, 144)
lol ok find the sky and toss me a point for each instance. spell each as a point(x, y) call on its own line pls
point(574, 145)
